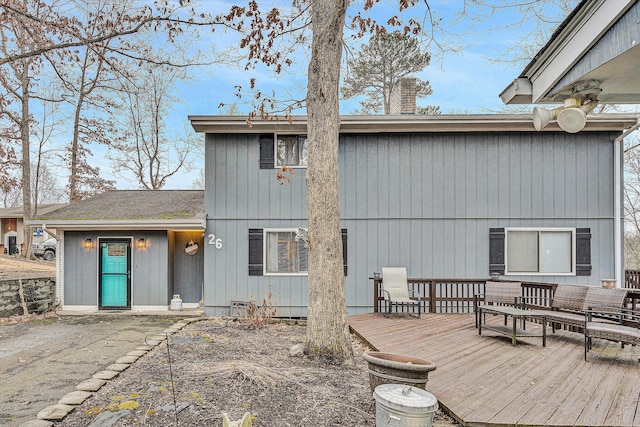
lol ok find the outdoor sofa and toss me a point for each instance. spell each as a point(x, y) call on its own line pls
point(570, 303)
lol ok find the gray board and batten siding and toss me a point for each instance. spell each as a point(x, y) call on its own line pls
point(159, 270)
point(425, 200)
point(150, 280)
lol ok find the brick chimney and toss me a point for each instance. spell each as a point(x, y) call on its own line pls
point(402, 99)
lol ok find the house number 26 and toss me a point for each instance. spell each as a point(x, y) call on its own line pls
point(214, 241)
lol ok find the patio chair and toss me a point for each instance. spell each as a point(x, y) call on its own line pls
point(497, 293)
point(396, 290)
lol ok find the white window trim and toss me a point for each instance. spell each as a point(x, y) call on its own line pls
point(264, 252)
point(275, 150)
point(539, 229)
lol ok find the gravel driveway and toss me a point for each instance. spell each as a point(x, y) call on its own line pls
point(42, 360)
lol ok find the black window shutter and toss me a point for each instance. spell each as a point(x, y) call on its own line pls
point(255, 252)
point(256, 255)
point(496, 250)
point(583, 252)
point(267, 152)
point(344, 249)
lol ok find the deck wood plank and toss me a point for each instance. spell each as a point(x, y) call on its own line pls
point(485, 381)
point(623, 408)
point(558, 382)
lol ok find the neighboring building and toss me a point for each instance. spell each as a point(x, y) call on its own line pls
point(444, 196)
point(12, 226)
point(130, 250)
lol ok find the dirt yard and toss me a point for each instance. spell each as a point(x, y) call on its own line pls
point(217, 366)
point(12, 267)
point(214, 366)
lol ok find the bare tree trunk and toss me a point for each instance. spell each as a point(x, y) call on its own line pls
point(73, 176)
point(327, 329)
point(23, 303)
point(26, 160)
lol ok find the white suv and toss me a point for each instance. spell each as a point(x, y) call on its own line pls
point(46, 249)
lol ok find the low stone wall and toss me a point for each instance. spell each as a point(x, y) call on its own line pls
point(10, 298)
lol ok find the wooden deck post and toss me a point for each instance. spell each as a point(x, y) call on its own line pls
point(432, 296)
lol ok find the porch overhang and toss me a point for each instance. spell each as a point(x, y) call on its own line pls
point(192, 224)
point(543, 79)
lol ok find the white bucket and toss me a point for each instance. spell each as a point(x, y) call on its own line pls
point(176, 303)
point(400, 405)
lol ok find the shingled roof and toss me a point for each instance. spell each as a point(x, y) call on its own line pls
point(159, 209)
point(17, 212)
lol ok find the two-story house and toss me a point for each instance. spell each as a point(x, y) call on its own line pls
point(444, 196)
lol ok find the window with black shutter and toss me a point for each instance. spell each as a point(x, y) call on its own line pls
point(284, 254)
point(540, 251)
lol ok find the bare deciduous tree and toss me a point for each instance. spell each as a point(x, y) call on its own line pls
point(89, 182)
point(198, 181)
point(16, 79)
point(149, 151)
point(263, 33)
point(327, 328)
point(632, 202)
point(87, 45)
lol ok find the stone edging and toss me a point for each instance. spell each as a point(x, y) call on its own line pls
point(88, 387)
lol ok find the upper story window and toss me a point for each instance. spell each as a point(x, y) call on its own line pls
point(540, 251)
point(283, 254)
point(291, 150)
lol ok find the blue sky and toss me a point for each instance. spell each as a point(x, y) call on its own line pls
point(463, 82)
point(451, 74)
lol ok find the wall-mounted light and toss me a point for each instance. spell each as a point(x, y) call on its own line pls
point(141, 243)
point(572, 116)
point(88, 243)
point(574, 119)
point(542, 116)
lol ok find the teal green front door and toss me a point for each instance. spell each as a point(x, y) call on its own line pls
point(115, 274)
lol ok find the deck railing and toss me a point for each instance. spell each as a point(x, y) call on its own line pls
point(632, 279)
point(456, 295)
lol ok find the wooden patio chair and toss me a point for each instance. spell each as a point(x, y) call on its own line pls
point(396, 290)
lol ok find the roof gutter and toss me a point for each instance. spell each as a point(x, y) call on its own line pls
point(404, 124)
point(618, 211)
point(153, 224)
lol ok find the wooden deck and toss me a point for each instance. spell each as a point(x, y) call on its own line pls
point(485, 381)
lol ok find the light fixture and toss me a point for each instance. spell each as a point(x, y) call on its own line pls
point(574, 119)
point(88, 243)
point(141, 243)
point(542, 116)
point(572, 116)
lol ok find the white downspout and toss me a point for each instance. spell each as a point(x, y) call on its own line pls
point(618, 207)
